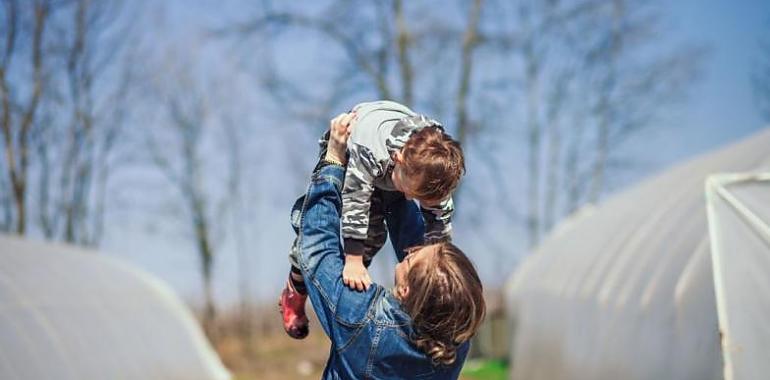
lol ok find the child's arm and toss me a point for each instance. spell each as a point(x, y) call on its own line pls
point(356, 201)
point(438, 221)
point(354, 273)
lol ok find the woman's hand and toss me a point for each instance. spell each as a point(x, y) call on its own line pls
point(339, 131)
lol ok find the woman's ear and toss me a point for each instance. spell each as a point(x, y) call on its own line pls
point(402, 291)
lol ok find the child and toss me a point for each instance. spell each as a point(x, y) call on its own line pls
point(394, 155)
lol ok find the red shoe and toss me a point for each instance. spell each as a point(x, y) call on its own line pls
point(292, 306)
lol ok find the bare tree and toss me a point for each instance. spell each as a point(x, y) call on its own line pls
point(61, 114)
point(577, 86)
point(553, 119)
point(470, 42)
point(371, 52)
point(628, 91)
point(93, 126)
point(582, 66)
point(238, 218)
point(547, 72)
point(532, 52)
point(183, 149)
point(606, 87)
point(18, 115)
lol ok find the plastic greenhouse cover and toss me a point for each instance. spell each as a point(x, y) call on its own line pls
point(68, 313)
point(625, 290)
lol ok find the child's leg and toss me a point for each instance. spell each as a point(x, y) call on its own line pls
point(376, 234)
point(297, 281)
point(294, 295)
point(295, 275)
point(355, 274)
point(405, 222)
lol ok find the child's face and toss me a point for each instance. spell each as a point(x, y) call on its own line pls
point(402, 182)
point(406, 185)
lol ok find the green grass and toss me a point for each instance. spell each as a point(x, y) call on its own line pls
point(480, 369)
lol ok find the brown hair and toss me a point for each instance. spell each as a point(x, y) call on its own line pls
point(445, 301)
point(436, 159)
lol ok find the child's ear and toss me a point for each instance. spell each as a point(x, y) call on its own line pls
point(398, 157)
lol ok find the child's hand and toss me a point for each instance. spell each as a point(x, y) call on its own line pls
point(355, 275)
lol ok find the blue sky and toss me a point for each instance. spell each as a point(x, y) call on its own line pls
point(720, 109)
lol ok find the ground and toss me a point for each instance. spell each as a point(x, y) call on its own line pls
point(269, 354)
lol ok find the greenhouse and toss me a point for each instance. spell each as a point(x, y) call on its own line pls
point(626, 289)
point(70, 313)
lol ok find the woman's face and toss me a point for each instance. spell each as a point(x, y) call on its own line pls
point(413, 256)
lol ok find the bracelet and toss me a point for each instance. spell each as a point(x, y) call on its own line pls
point(329, 161)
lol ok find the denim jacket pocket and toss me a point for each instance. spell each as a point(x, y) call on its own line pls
point(346, 336)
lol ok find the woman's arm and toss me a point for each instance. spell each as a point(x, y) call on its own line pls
point(321, 259)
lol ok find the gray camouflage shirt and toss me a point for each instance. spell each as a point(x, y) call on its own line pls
point(381, 129)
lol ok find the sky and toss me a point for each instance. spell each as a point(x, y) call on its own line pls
point(721, 107)
point(719, 110)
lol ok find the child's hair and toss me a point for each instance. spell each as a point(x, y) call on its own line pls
point(436, 160)
point(445, 301)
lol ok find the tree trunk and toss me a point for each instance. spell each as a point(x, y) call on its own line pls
point(532, 78)
point(206, 255)
point(605, 107)
point(552, 181)
point(403, 41)
point(470, 42)
point(573, 179)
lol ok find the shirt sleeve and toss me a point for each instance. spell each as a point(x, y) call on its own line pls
point(321, 261)
point(438, 221)
point(356, 198)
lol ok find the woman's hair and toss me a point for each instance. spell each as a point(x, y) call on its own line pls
point(445, 301)
point(436, 160)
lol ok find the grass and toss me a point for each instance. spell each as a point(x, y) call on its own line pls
point(482, 369)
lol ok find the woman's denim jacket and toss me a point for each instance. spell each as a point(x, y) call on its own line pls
point(369, 331)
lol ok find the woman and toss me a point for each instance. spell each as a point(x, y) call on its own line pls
point(418, 330)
